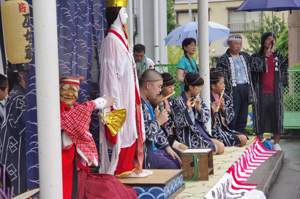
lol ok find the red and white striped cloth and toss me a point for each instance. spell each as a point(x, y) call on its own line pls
point(233, 183)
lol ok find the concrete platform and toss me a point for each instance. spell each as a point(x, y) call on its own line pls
point(266, 174)
point(287, 184)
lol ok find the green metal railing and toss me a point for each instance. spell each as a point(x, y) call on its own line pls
point(291, 95)
point(172, 69)
point(291, 100)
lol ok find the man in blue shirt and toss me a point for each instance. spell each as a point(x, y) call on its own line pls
point(237, 67)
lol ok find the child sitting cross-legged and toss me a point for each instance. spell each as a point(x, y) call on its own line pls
point(222, 113)
point(157, 151)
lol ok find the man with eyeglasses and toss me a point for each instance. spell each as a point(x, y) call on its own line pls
point(237, 67)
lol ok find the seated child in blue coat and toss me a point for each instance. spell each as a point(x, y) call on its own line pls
point(157, 151)
point(222, 113)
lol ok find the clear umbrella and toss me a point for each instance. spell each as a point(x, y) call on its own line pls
point(216, 31)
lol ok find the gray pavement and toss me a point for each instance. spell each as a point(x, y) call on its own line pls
point(287, 184)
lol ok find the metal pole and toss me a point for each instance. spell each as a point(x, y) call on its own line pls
point(190, 10)
point(48, 103)
point(203, 50)
point(130, 21)
point(156, 34)
point(141, 22)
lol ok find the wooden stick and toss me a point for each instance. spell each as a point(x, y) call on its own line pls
point(195, 101)
point(156, 107)
point(161, 66)
point(220, 100)
point(168, 96)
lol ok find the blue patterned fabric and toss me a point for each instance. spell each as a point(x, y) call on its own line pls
point(159, 192)
point(81, 28)
point(12, 138)
point(32, 162)
point(194, 135)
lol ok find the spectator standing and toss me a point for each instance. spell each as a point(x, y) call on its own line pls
point(268, 87)
point(237, 67)
point(187, 63)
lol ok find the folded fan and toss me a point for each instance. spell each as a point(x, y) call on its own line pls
point(114, 120)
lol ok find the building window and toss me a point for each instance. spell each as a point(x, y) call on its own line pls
point(242, 21)
point(182, 16)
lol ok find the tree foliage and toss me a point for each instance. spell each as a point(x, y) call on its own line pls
point(282, 44)
point(171, 25)
point(254, 35)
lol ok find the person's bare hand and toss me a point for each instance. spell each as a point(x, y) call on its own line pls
point(270, 51)
point(166, 104)
point(156, 112)
point(197, 103)
point(110, 101)
point(162, 117)
point(172, 153)
point(189, 103)
point(214, 107)
point(222, 105)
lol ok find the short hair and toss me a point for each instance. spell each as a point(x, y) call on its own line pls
point(192, 79)
point(3, 82)
point(168, 79)
point(139, 48)
point(186, 42)
point(149, 75)
point(215, 76)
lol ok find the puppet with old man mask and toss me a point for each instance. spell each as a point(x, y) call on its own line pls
point(78, 147)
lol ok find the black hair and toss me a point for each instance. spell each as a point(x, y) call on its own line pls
point(168, 79)
point(139, 48)
point(3, 82)
point(192, 79)
point(263, 39)
point(215, 76)
point(112, 14)
point(12, 76)
point(186, 42)
point(149, 75)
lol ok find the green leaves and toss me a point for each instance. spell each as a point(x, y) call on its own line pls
point(254, 36)
point(171, 23)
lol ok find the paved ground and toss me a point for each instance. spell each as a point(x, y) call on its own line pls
point(287, 184)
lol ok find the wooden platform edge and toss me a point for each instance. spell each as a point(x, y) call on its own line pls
point(176, 193)
point(174, 177)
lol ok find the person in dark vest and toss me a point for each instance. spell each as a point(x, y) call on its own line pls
point(268, 87)
point(237, 67)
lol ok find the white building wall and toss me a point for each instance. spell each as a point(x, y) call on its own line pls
point(144, 10)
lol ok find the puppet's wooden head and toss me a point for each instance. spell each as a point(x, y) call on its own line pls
point(69, 88)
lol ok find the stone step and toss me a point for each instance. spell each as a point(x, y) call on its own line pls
point(266, 174)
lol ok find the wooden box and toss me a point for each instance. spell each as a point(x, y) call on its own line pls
point(204, 160)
